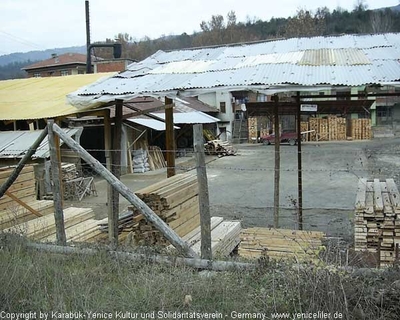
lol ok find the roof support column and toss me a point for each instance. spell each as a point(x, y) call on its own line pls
point(170, 139)
point(299, 164)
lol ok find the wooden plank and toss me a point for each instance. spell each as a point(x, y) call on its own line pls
point(6, 172)
point(378, 201)
point(369, 198)
point(22, 203)
point(394, 193)
point(361, 193)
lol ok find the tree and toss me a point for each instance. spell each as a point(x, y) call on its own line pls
point(381, 21)
point(304, 24)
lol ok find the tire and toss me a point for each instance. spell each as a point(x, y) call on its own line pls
point(266, 142)
point(292, 142)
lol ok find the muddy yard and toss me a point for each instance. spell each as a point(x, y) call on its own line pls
point(242, 187)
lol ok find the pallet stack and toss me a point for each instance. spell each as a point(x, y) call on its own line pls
point(377, 219)
point(79, 227)
point(280, 244)
point(361, 129)
point(314, 126)
point(19, 204)
point(252, 124)
point(303, 128)
point(323, 129)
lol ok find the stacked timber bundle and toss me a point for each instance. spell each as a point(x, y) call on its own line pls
point(361, 129)
point(19, 203)
point(377, 219)
point(78, 222)
point(333, 128)
point(68, 171)
point(313, 126)
point(323, 129)
point(280, 244)
point(252, 123)
point(304, 128)
point(175, 200)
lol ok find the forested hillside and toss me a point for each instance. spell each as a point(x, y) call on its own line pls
point(224, 30)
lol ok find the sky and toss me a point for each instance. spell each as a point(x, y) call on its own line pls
point(27, 25)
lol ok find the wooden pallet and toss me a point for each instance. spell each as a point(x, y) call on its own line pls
point(280, 243)
point(377, 218)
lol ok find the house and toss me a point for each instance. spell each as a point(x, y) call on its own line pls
point(225, 76)
point(72, 64)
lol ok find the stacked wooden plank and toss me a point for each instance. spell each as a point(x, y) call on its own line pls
point(156, 158)
point(225, 236)
point(332, 128)
point(314, 126)
point(19, 204)
point(174, 200)
point(280, 244)
point(361, 129)
point(79, 226)
point(377, 218)
point(252, 124)
point(68, 171)
point(323, 129)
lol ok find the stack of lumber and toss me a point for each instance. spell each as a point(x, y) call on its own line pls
point(252, 124)
point(280, 244)
point(156, 158)
point(225, 236)
point(304, 128)
point(314, 126)
point(377, 218)
point(175, 200)
point(219, 147)
point(19, 204)
point(79, 226)
point(337, 128)
point(332, 128)
point(68, 171)
point(323, 129)
point(361, 129)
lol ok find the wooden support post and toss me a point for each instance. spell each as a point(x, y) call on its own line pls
point(116, 170)
point(56, 185)
point(108, 148)
point(143, 208)
point(204, 202)
point(31, 151)
point(277, 163)
point(299, 165)
point(170, 139)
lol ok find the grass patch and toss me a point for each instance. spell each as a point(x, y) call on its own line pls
point(33, 281)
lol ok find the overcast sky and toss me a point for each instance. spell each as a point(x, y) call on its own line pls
point(27, 25)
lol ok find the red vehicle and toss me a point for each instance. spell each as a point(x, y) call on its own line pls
point(286, 136)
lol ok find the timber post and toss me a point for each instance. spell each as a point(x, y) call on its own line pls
point(170, 138)
point(277, 162)
point(299, 164)
point(204, 202)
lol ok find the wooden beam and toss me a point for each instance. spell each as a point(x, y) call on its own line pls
point(277, 164)
point(170, 139)
point(161, 259)
point(31, 151)
point(22, 203)
point(116, 169)
point(299, 165)
point(56, 185)
point(142, 207)
point(204, 202)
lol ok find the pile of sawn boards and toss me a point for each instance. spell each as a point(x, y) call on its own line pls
point(280, 244)
point(377, 219)
point(176, 201)
point(19, 204)
point(78, 222)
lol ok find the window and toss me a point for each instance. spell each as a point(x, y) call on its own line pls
point(64, 72)
point(222, 107)
point(343, 95)
point(37, 75)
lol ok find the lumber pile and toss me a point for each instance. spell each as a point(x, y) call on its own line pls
point(175, 200)
point(19, 204)
point(377, 218)
point(225, 236)
point(252, 124)
point(280, 244)
point(68, 171)
point(156, 158)
point(337, 128)
point(361, 129)
point(219, 148)
point(79, 226)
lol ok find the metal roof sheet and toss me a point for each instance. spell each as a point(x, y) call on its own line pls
point(38, 98)
point(348, 60)
point(14, 144)
point(190, 117)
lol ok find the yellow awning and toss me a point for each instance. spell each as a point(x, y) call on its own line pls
point(40, 98)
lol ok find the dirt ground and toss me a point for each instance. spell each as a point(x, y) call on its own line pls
point(242, 186)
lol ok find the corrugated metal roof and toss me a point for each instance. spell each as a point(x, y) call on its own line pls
point(14, 144)
point(150, 123)
point(348, 60)
point(190, 117)
point(38, 98)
